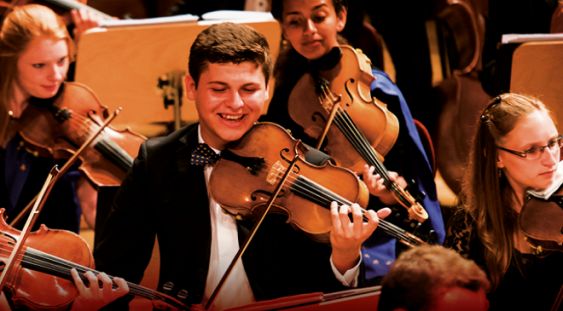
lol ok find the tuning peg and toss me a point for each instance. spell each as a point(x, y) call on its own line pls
point(183, 294)
point(432, 237)
point(167, 287)
point(420, 196)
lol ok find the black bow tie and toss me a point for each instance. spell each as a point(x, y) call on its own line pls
point(203, 155)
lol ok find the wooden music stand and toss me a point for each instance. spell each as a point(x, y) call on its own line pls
point(537, 70)
point(122, 65)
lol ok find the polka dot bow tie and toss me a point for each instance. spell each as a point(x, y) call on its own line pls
point(203, 154)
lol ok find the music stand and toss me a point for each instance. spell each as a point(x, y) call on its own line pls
point(122, 65)
point(537, 70)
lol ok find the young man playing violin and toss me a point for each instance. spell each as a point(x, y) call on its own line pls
point(166, 195)
point(310, 29)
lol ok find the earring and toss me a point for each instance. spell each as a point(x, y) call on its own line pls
point(499, 172)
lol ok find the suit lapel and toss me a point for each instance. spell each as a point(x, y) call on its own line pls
point(191, 194)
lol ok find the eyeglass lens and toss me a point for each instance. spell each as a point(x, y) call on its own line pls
point(553, 146)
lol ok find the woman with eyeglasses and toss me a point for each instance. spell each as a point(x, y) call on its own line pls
point(516, 148)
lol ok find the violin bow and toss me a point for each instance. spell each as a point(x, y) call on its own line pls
point(67, 165)
point(557, 301)
point(255, 227)
point(40, 199)
point(47, 186)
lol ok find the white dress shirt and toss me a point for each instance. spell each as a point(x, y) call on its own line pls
point(224, 245)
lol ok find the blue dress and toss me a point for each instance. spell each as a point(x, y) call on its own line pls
point(22, 176)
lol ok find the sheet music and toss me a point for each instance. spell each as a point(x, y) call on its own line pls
point(519, 38)
point(236, 15)
point(215, 16)
point(149, 21)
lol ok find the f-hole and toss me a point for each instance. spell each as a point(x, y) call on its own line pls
point(351, 81)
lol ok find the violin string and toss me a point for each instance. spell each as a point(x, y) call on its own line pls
point(106, 142)
point(51, 263)
point(357, 139)
point(63, 267)
point(103, 141)
point(324, 197)
point(360, 143)
point(109, 144)
point(327, 197)
point(280, 172)
point(352, 133)
point(345, 123)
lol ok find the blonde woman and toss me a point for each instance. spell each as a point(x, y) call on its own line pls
point(35, 52)
point(516, 148)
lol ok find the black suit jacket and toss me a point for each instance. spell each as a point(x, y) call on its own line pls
point(164, 196)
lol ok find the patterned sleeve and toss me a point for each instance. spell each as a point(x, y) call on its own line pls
point(460, 232)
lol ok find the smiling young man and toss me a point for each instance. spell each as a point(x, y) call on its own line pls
point(165, 195)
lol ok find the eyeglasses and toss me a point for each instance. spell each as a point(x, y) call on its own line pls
point(536, 152)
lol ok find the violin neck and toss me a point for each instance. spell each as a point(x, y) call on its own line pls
point(322, 196)
point(39, 261)
point(74, 5)
point(345, 123)
point(104, 144)
point(114, 153)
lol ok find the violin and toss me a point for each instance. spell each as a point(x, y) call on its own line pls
point(248, 172)
point(55, 128)
point(365, 130)
point(541, 221)
point(41, 278)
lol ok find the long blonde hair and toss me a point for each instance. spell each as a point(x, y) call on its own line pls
point(485, 195)
point(21, 26)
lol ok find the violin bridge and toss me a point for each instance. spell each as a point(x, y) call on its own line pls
point(276, 171)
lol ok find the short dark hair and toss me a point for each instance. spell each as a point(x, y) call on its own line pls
point(229, 43)
point(420, 275)
point(277, 7)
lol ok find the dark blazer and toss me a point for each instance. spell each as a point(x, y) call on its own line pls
point(164, 196)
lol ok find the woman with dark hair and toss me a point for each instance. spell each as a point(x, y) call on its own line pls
point(516, 149)
point(310, 31)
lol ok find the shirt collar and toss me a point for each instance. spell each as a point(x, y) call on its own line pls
point(201, 141)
